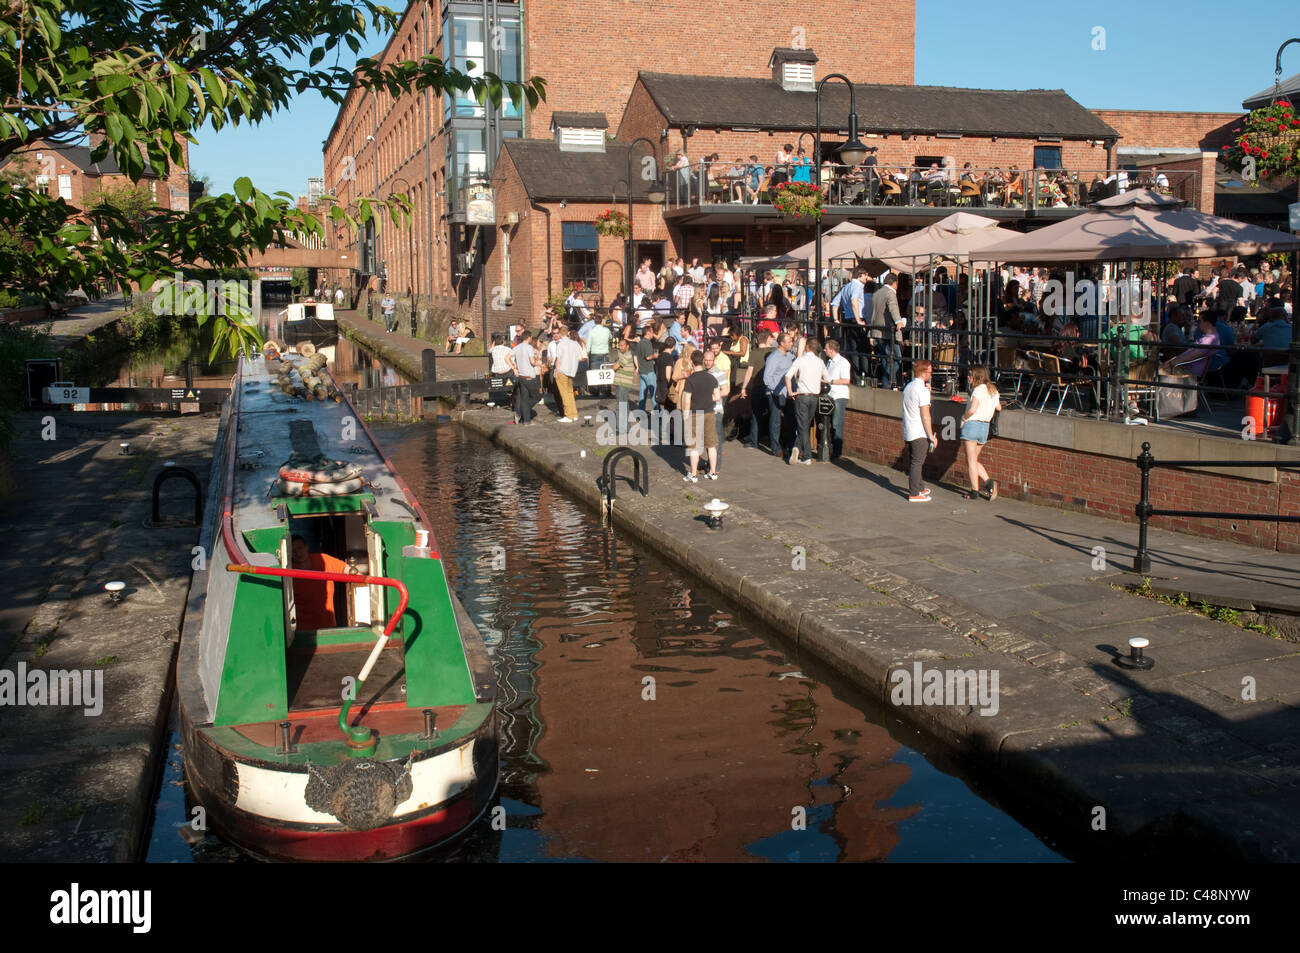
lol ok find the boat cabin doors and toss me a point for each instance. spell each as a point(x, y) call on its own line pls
point(347, 538)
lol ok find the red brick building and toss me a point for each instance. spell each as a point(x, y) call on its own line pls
point(619, 71)
point(591, 55)
point(69, 173)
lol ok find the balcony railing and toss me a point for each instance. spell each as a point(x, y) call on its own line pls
point(721, 183)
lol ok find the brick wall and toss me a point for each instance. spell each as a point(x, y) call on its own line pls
point(643, 118)
point(86, 186)
point(612, 41)
point(1160, 130)
point(528, 245)
point(1093, 483)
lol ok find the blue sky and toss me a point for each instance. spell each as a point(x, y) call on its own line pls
point(1197, 55)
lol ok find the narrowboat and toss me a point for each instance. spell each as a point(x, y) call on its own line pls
point(310, 310)
point(336, 702)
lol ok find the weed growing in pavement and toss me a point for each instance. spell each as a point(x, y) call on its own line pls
point(106, 660)
point(35, 814)
point(1224, 614)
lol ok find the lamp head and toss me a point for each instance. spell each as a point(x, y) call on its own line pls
point(852, 152)
point(657, 192)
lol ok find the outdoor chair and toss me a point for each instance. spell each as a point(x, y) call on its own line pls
point(945, 366)
point(1034, 371)
point(1055, 381)
point(970, 194)
point(1148, 373)
point(1010, 367)
point(891, 193)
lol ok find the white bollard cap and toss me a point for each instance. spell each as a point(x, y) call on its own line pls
point(1138, 643)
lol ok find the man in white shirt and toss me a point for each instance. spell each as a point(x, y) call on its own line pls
point(918, 431)
point(568, 354)
point(837, 368)
point(697, 271)
point(803, 381)
point(526, 364)
point(645, 277)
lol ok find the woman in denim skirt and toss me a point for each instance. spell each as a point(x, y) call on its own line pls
point(984, 403)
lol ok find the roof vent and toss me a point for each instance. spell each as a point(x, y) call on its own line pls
point(793, 69)
point(579, 132)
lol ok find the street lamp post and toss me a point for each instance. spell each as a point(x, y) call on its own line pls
point(1293, 371)
point(657, 193)
point(852, 152)
point(410, 255)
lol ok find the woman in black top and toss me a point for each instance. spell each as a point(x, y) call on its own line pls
point(664, 373)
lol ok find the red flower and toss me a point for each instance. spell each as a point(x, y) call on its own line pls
point(1263, 155)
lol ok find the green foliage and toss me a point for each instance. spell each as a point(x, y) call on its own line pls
point(298, 278)
point(16, 346)
point(148, 77)
point(1268, 141)
point(133, 203)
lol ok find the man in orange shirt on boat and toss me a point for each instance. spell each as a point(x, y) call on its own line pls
point(314, 598)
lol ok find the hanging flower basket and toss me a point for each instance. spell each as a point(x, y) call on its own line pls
point(613, 224)
point(1268, 142)
point(800, 200)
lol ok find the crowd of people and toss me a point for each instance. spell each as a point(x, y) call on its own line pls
point(752, 181)
point(684, 342)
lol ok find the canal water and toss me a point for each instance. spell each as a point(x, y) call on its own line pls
point(643, 718)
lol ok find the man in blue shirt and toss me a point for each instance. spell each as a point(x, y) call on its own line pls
point(778, 362)
point(675, 332)
point(854, 312)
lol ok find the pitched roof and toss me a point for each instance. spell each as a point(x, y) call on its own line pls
point(576, 120)
point(788, 54)
point(550, 175)
point(80, 157)
point(1290, 89)
point(763, 104)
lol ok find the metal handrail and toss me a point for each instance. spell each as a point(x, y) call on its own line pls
point(692, 186)
point(1144, 510)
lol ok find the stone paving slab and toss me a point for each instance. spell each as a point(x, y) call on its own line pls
point(79, 787)
point(1035, 608)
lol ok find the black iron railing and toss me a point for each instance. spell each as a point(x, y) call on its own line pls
point(1146, 463)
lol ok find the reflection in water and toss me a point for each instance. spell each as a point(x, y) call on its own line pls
point(639, 719)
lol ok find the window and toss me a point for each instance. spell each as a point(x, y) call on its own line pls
point(464, 45)
point(510, 66)
point(1047, 157)
point(65, 188)
point(579, 256)
point(726, 247)
point(466, 158)
point(581, 140)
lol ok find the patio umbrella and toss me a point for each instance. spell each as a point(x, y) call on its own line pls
point(1140, 224)
point(955, 238)
point(838, 242)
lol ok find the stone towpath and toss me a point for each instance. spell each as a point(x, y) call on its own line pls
point(1206, 745)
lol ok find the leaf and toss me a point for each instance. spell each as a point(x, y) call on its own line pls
point(215, 87)
point(53, 37)
point(243, 188)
